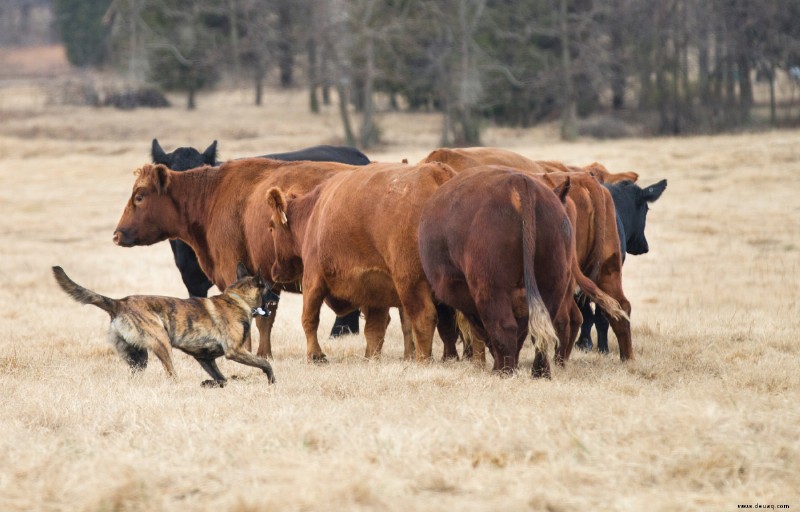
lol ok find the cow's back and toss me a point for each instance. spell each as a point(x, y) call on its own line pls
point(471, 226)
point(464, 158)
point(236, 229)
point(363, 229)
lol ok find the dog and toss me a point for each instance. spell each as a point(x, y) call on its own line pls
point(204, 328)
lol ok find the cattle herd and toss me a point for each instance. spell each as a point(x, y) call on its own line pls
point(481, 244)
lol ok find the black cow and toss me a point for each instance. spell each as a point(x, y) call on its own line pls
point(183, 159)
point(631, 205)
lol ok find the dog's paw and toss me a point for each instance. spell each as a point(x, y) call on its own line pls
point(213, 383)
point(318, 358)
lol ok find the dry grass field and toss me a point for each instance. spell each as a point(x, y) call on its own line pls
point(706, 418)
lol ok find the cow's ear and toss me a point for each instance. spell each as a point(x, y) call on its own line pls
point(241, 271)
point(210, 154)
point(158, 154)
point(632, 176)
point(277, 201)
point(161, 178)
point(654, 191)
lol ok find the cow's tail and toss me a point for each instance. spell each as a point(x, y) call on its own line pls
point(540, 325)
point(83, 295)
point(598, 296)
point(598, 200)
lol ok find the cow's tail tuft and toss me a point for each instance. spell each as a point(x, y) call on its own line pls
point(83, 295)
point(591, 290)
point(540, 326)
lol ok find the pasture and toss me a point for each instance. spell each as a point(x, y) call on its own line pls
point(705, 418)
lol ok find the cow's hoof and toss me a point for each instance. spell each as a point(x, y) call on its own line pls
point(584, 344)
point(318, 359)
point(213, 383)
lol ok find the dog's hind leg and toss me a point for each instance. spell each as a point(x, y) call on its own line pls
point(210, 366)
point(136, 357)
point(243, 357)
point(163, 350)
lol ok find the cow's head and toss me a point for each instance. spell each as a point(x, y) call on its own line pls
point(183, 159)
point(151, 213)
point(288, 266)
point(631, 202)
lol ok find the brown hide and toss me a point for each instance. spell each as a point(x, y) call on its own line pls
point(356, 235)
point(497, 245)
point(219, 211)
point(597, 240)
point(464, 158)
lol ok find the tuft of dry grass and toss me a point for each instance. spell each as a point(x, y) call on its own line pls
point(706, 416)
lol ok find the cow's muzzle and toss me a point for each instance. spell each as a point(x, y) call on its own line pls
point(122, 239)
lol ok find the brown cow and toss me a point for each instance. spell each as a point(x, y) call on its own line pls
point(464, 158)
point(498, 246)
point(220, 212)
point(354, 240)
point(597, 246)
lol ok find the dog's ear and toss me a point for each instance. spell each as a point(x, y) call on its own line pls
point(277, 201)
point(241, 271)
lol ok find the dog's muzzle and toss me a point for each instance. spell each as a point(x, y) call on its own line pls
point(269, 298)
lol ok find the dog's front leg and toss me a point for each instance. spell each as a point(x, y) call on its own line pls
point(243, 357)
point(210, 366)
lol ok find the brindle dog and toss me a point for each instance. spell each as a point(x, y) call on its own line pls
point(204, 328)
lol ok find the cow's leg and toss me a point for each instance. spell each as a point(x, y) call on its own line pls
point(408, 335)
point(611, 283)
point(314, 293)
point(601, 325)
point(347, 324)
point(446, 325)
point(375, 322)
point(417, 302)
point(475, 335)
point(497, 317)
point(568, 322)
point(264, 324)
point(585, 337)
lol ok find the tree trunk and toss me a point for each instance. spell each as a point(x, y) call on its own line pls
point(313, 81)
point(617, 65)
point(349, 137)
point(285, 47)
point(773, 114)
point(569, 123)
point(190, 100)
point(745, 86)
point(468, 130)
point(234, 39)
point(259, 81)
point(368, 135)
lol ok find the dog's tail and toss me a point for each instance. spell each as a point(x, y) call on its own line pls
point(82, 295)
